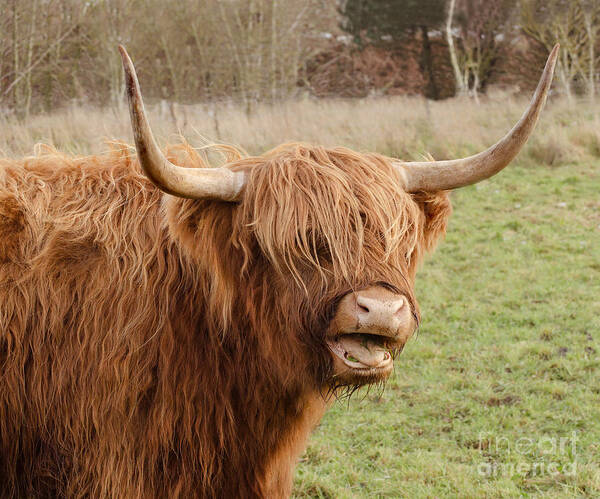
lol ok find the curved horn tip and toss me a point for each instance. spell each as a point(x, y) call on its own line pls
point(129, 68)
point(127, 62)
point(451, 174)
point(198, 183)
point(551, 62)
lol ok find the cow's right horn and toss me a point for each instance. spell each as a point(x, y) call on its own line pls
point(450, 174)
point(196, 183)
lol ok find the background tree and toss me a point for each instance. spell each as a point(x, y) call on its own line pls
point(390, 21)
point(54, 51)
point(479, 26)
point(590, 12)
point(62, 52)
point(575, 24)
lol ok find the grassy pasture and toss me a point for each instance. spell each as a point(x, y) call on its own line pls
point(507, 360)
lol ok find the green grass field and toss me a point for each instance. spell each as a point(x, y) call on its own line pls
point(506, 362)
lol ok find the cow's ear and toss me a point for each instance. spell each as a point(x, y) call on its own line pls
point(436, 209)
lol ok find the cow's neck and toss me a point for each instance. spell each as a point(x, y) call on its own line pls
point(255, 419)
point(282, 462)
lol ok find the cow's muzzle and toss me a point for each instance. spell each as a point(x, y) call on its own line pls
point(368, 328)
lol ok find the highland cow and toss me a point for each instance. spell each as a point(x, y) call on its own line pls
point(184, 343)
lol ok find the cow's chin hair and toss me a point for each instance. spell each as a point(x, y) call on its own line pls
point(343, 383)
point(344, 388)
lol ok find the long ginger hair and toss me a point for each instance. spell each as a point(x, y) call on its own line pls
point(158, 346)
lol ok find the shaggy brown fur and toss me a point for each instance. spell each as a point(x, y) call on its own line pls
point(152, 346)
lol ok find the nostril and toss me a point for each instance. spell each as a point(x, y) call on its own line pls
point(399, 305)
point(361, 305)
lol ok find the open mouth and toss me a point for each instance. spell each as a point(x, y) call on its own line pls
point(363, 352)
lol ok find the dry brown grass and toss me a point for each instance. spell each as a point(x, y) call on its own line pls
point(407, 127)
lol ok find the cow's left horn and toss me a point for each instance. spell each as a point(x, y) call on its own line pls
point(451, 174)
point(196, 183)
